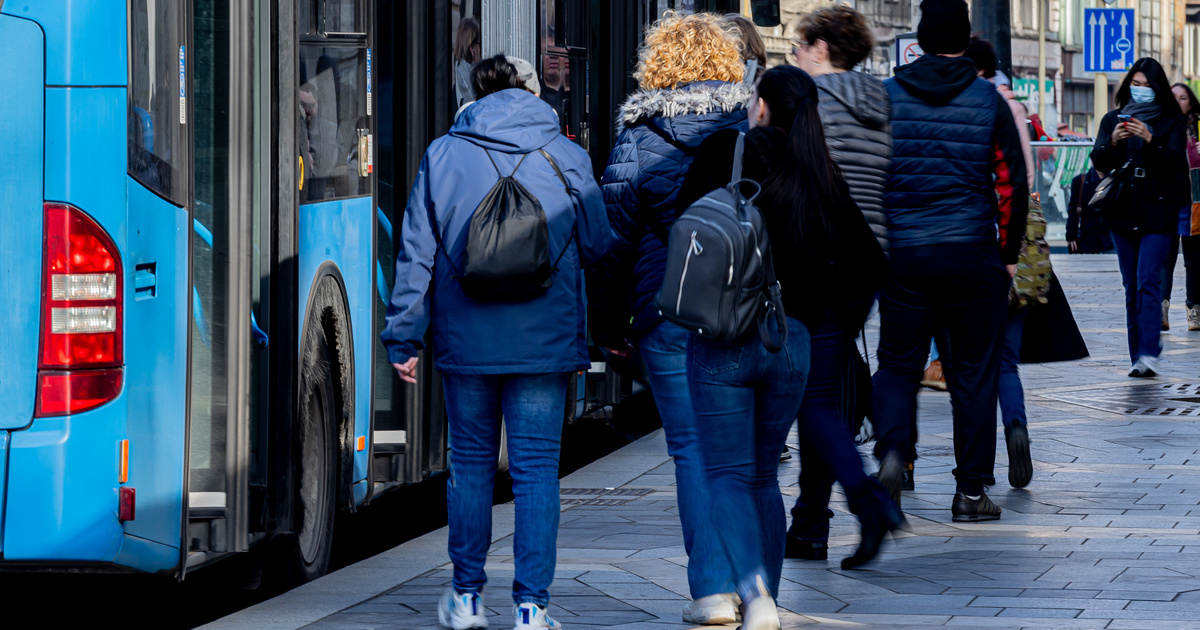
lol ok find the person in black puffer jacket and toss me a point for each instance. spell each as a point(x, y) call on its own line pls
point(690, 71)
point(957, 199)
point(854, 106)
point(1145, 215)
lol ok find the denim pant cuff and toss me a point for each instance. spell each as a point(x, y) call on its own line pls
point(531, 600)
point(463, 591)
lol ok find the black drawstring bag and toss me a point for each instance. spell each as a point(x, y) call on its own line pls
point(507, 253)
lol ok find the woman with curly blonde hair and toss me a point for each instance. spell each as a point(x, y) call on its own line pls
point(690, 70)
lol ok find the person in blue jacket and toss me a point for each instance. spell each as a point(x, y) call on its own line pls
point(690, 72)
point(498, 357)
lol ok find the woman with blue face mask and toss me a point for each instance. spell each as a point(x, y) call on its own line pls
point(1143, 143)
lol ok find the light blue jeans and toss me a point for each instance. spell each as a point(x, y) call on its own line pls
point(664, 351)
point(745, 399)
point(533, 408)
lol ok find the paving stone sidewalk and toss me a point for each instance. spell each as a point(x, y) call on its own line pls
point(1106, 536)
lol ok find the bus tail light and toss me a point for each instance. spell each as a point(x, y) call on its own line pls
point(82, 314)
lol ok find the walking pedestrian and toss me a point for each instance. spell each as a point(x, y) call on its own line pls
point(1143, 145)
point(956, 200)
point(499, 358)
point(1189, 224)
point(854, 112)
point(745, 397)
point(754, 49)
point(690, 71)
point(1085, 233)
point(1011, 393)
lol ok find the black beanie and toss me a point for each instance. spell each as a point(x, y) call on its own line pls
point(945, 27)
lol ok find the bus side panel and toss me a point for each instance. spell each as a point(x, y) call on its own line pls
point(86, 37)
point(62, 491)
point(21, 137)
point(340, 232)
point(156, 324)
point(63, 471)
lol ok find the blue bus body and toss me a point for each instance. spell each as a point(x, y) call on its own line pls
point(198, 245)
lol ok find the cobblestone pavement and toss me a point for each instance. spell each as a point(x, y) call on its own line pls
point(1106, 536)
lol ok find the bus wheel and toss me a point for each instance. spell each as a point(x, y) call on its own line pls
point(317, 463)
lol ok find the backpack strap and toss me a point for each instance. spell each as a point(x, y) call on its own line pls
point(571, 194)
point(739, 148)
point(441, 245)
point(519, 163)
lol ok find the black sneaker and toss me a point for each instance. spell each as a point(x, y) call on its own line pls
point(805, 549)
point(910, 483)
point(1020, 463)
point(967, 511)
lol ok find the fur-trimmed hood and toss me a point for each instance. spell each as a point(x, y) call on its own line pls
point(700, 98)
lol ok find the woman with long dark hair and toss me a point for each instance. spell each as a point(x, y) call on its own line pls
point(1190, 107)
point(1144, 141)
point(745, 398)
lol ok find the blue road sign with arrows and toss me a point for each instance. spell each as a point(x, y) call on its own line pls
point(1108, 39)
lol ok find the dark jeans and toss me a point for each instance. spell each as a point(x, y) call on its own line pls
point(745, 400)
point(1191, 262)
point(964, 289)
point(1012, 395)
point(664, 350)
point(827, 450)
point(1141, 259)
point(533, 415)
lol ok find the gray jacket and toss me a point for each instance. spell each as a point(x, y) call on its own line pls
point(855, 113)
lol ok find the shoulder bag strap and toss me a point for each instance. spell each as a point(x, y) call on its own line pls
point(574, 205)
point(739, 148)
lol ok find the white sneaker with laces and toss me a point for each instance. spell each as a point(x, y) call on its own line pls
point(462, 611)
point(712, 610)
point(530, 616)
point(1194, 317)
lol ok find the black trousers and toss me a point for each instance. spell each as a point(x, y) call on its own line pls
point(962, 288)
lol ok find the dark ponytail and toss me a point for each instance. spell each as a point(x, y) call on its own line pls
point(806, 181)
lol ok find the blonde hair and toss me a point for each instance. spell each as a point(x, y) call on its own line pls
point(682, 49)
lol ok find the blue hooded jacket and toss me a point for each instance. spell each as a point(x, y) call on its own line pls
point(660, 132)
point(544, 335)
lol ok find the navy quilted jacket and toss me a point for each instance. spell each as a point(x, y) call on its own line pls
point(958, 173)
point(659, 132)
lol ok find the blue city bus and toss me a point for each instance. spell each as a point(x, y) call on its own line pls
point(198, 210)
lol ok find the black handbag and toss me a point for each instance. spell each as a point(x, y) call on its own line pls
point(1112, 187)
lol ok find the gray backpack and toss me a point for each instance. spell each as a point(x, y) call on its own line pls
point(720, 281)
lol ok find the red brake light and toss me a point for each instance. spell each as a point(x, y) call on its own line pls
point(82, 314)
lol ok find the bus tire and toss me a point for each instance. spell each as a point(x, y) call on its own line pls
point(317, 466)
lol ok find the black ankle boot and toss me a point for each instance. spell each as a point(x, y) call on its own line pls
point(805, 548)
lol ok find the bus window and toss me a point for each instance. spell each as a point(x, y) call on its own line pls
point(332, 116)
point(158, 62)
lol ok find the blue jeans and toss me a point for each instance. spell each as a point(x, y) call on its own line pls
point(1012, 395)
point(664, 351)
point(1141, 259)
point(532, 407)
point(827, 450)
point(745, 400)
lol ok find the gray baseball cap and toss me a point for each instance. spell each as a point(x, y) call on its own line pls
point(526, 73)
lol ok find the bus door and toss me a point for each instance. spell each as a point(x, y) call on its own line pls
point(228, 321)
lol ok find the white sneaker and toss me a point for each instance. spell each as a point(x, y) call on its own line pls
point(1194, 317)
point(1144, 367)
point(712, 610)
point(530, 616)
point(462, 611)
point(760, 612)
